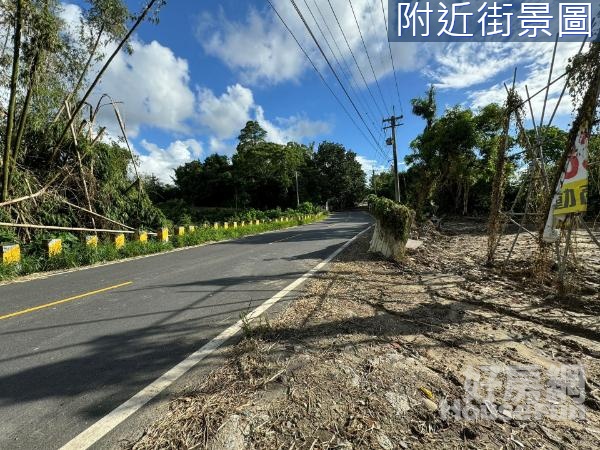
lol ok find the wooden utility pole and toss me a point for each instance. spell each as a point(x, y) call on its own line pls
point(373, 183)
point(393, 121)
point(297, 192)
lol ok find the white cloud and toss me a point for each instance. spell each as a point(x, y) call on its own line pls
point(222, 147)
point(368, 165)
point(462, 65)
point(298, 127)
point(533, 71)
point(261, 50)
point(227, 114)
point(223, 117)
point(408, 56)
point(162, 161)
point(71, 15)
point(153, 85)
point(255, 48)
point(293, 128)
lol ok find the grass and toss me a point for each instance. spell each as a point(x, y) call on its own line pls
point(77, 254)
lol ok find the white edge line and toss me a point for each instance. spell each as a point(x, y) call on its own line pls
point(95, 432)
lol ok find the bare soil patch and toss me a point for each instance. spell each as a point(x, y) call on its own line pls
point(370, 355)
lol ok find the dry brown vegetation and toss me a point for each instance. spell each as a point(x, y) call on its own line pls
point(366, 357)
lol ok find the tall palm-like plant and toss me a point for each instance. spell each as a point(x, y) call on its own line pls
point(425, 106)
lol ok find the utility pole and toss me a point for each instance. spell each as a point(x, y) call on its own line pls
point(393, 121)
point(297, 192)
point(373, 183)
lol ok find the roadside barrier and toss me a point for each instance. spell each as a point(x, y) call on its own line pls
point(53, 247)
point(163, 234)
point(91, 241)
point(141, 236)
point(118, 240)
point(11, 252)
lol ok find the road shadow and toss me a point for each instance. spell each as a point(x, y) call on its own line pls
point(113, 367)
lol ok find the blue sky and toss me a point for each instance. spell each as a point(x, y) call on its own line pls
point(208, 66)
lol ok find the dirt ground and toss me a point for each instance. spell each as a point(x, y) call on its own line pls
point(437, 352)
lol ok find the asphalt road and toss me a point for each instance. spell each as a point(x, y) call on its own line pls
point(66, 365)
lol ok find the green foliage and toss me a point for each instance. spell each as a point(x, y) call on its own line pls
point(554, 141)
point(594, 176)
point(307, 208)
point(180, 213)
point(452, 163)
point(265, 172)
point(251, 136)
point(117, 196)
point(76, 254)
point(262, 175)
point(208, 183)
point(53, 63)
point(109, 15)
point(382, 184)
point(393, 217)
point(338, 176)
point(582, 70)
point(425, 107)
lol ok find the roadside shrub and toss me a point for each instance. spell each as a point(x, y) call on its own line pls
point(306, 208)
point(76, 253)
point(392, 228)
point(394, 217)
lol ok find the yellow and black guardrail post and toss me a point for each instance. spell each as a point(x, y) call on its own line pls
point(53, 247)
point(10, 253)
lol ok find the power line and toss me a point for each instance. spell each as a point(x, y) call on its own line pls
point(347, 66)
point(333, 71)
point(368, 56)
point(321, 76)
point(391, 57)
point(354, 58)
point(354, 91)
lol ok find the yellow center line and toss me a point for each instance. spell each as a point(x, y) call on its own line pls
point(65, 300)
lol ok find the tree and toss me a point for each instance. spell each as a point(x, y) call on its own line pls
point(103, 18)
point(12, 98)
point(383, 184)
point(265, 172)
point(42, 69)
point(217, 183)
point(553, 141)
point(453, 155)
point(208, 183)
point(425, 107)
point(157, 191)
point(342, 181)
point(187, 179)
point(251, 135)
